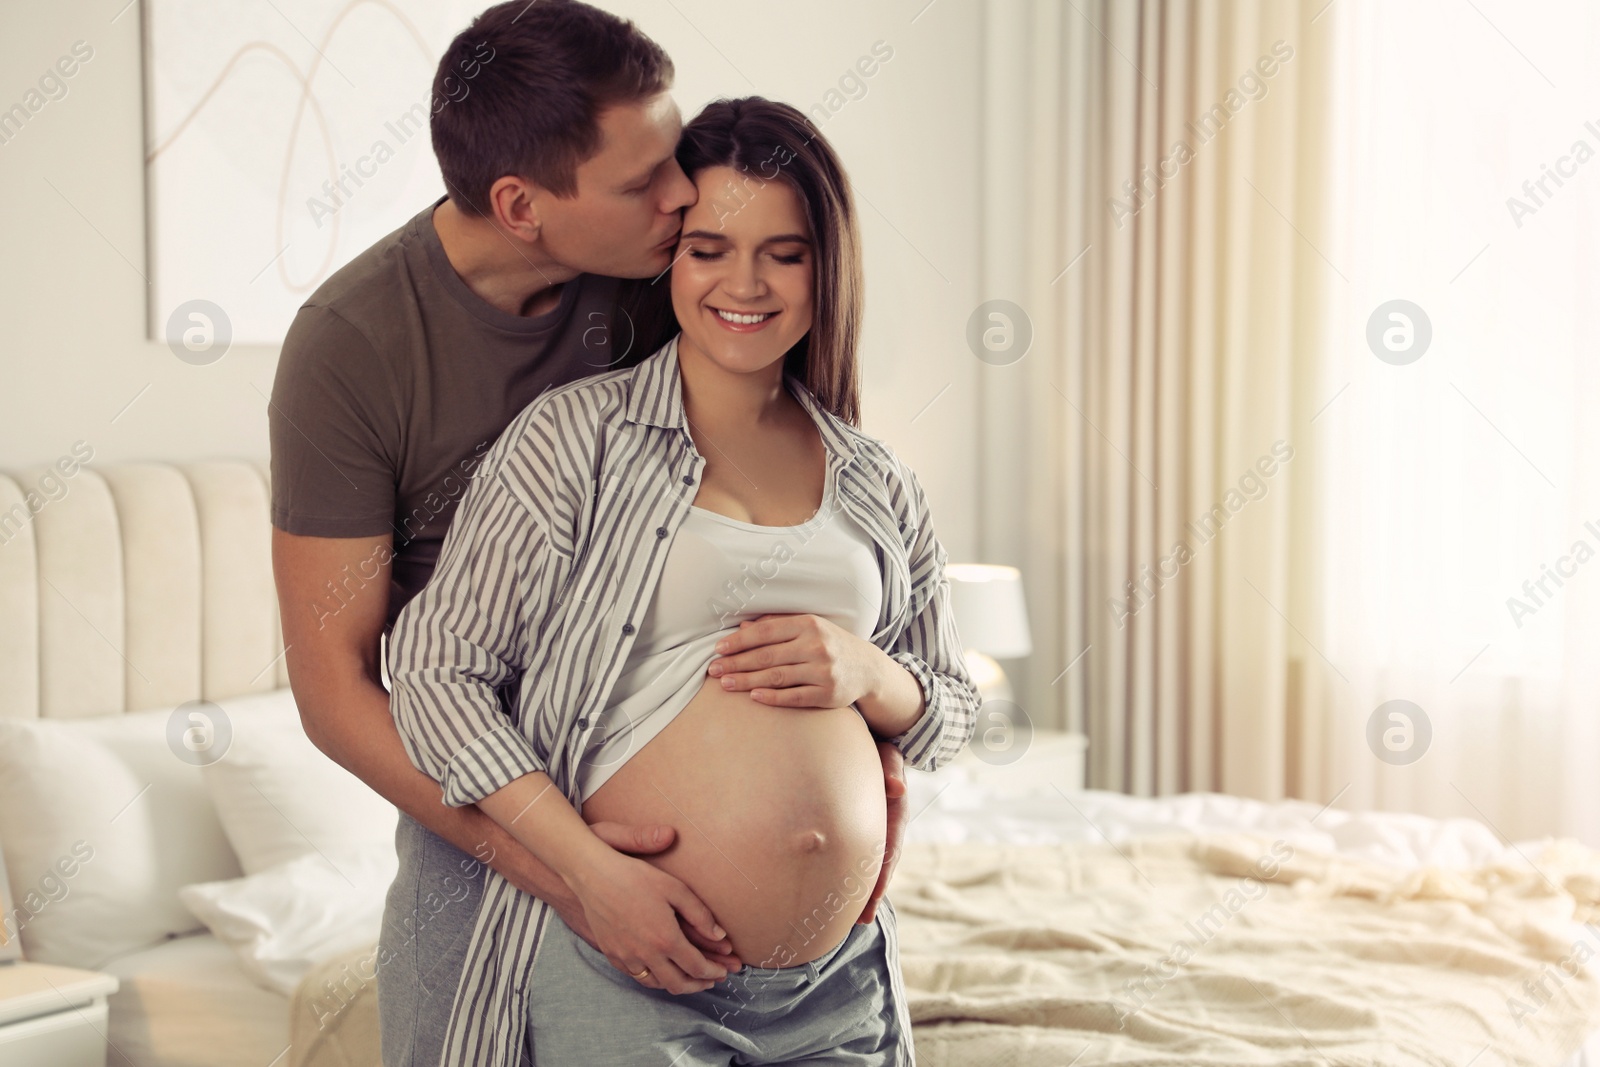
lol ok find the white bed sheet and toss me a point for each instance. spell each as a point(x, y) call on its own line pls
point(949, 806)
point(969, 802)
point(188, 1003)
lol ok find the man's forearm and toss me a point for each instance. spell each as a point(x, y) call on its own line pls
point(360, 735)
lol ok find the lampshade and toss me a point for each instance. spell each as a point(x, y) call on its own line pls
point(990, 612)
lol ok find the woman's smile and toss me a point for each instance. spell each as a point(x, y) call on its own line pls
point(742, 321)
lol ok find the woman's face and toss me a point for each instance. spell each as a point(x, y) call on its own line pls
point(742, 279)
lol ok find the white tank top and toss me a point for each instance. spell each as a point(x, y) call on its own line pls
point(719, 571)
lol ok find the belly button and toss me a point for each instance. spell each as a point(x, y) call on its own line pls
point(811, 841)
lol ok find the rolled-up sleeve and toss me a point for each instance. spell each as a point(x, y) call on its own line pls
point(464, 640)
point(930, 649)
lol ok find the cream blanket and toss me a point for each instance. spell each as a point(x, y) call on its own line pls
point(1238, 951)
point(1200, 951)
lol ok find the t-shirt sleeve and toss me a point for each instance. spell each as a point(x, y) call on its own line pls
point(335, 431)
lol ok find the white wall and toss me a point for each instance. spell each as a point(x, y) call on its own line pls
point(72, 291)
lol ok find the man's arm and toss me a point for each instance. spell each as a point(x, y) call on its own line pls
point(894, 791)
point(333, 660)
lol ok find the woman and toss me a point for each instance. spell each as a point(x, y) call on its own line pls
point(706, 593)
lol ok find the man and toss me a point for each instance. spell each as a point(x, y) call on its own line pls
point(554, 131)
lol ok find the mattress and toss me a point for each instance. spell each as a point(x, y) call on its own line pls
point(188, 1003)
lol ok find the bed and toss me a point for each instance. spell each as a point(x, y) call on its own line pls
point(1000, 972)
point(1037, 926)
point(1367, 938)
point(188, 1003)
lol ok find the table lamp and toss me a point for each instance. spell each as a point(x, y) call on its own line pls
point(992, 619)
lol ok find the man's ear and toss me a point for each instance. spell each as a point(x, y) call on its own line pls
point(514, 205)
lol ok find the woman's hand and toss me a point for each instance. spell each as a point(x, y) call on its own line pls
point(633, 912)
point(803, 661)
point(799, 661)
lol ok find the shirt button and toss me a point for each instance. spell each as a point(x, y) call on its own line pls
point(661, 531)
point(688, 479)
point(583, 724)
point(627, 627)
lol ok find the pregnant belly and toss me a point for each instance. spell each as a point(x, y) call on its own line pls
point(779, 815)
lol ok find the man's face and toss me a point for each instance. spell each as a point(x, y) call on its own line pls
point(625, 218)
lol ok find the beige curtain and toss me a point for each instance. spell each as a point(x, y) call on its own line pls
point(1156, 176)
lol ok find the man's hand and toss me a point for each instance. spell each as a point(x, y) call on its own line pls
point(637, 841)
point(639, 914)
point(894, 787)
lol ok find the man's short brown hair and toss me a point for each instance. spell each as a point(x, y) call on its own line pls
point(520, 92)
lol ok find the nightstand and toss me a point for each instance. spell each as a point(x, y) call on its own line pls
point(1051, 759)
point(53, 1016)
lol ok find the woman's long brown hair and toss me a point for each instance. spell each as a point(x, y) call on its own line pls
point(770, 141)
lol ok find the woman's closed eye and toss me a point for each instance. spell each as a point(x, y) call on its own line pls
point(787, 259)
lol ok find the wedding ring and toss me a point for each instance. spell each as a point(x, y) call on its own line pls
point(642, 974)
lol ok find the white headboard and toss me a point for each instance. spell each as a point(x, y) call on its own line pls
point(142, 585)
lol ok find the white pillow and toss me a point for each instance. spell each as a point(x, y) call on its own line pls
point(279, 798)
point(101, 824)
point(283, 921)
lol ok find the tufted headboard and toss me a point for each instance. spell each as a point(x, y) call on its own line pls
point(133, 586)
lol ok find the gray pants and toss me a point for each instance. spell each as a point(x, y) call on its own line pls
point(428, 918)
point(846, 1009)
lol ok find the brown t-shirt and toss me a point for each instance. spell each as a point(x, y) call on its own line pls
point(394, 380)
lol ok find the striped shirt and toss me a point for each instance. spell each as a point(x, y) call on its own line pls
point(501, 666)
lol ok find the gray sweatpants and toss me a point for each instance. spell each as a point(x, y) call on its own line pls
point(428, 918)
point(846, 1009)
